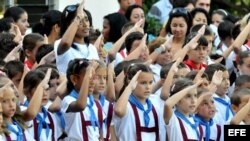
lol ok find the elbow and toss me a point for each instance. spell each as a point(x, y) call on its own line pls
point(81, 106)
point(119, 112)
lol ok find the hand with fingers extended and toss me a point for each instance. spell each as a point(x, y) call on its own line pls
point(217, 77)
point(174, 67)
point(199, 75)
point(90, 72)
point(14, 54)
point(138, 26)
point(45, 82)
point(133, 83)
point(193, 43)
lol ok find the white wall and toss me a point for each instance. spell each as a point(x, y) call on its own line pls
point(98, 8)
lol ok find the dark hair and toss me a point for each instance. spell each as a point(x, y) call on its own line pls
point(208, 30)
point(235, 98)
point(210, 70)
point(30, 41)
point(47, 21)
point(54, 72)
point(43, 50)
point(192, 74)
point(6, 44)
point(217, 56)
point(131, 38)
point(242, 56)
point(224, 29)
point(201, 42)
point(69, 15)
point(201, 10)
point(13, 68)
point(165, 69)
point(14, 12)
point(75, 66)
point(93, 35)
point(122, 66)
point(176, 13)
point(31, 80)
point(181, 3)
point(241, 80)
point(115, 31)
point(221, 12)
point(5, 24)
point(130, 10)
point(201, 91)
point(179, 85)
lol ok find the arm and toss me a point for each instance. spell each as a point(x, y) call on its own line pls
point(117, 45)
point(157, 85)
point(239, 116)
point(81, 102)
point(56, 105)
point(171, 101)
point(68, 36)
point(20, 86)
point(110, 92)
point(168, 82)
point(121, 105)
point(36, 100)
point(119, 83)
point(239, 41)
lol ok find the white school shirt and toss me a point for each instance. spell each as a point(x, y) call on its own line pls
point(156, 68)
point(213, 132)
point(174, 129)
point(57, 127)
point(73, 121)
point(14, 137)
point(82, 51)
point(125, 127)
point(220, 114)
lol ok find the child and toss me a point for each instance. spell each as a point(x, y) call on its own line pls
point(241, 106)
point(222, 101)
point(83, 115)
point(197, 56)
point(104, 87)
point(31, 43)
point(14, 119)
point(45, 125)
point(14, 70)
point(181, 124)
point(1, 114)
point(138, 114)
point(205, 113)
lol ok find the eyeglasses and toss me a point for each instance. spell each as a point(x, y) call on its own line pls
point(179, 10)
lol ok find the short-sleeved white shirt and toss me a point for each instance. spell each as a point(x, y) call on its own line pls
point(82, 51)
point(14, 137)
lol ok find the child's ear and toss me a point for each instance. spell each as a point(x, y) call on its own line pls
point(56, 28)
point(234, 108)
point(27, 52)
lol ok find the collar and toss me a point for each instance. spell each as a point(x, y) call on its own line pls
point(192, 65)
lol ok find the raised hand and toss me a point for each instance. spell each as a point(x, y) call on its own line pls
point(217, 77)
point(48, 58)
point(192, 44)
point(199, 75)
point(174, 67)
point(90, 72)
point(132, 84)
point(45, 81)
point(14, 54)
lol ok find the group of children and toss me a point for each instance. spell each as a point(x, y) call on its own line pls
point(157, 96)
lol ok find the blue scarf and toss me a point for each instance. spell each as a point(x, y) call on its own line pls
point(207, 124)
point(194, 126)
point(93, 119)
point(62, 120)
point(134, 101)
point(42, 122)
point(227, 104)
point(19, 133)
point(102, 99)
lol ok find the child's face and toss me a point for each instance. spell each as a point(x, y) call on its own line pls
point(101, 80)
point(84, 27)
point(52, 88)
point(245, 67)
point(207, 108)
point(243, 101)
point(144, 86)
point(222, 89)
point(31, 55)
point(198, 55)
point(210, 39)
point(187, 104)
point(165, 57)
point(9, 102)
point(17, 78)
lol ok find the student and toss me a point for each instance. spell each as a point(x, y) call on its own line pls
point(240, 102)
point(205, 113)
point(103, 89)
point(83, 115)
point(20, 17)
point(222, 101)
point(197, 56)
point(75, 25)
point(1, 114)
point(181, 123)
point(14, 70)
point(45, 125)
point(138, 114)
point(13, 117)
point(31, 43)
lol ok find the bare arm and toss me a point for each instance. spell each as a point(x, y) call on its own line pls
point(110, 93)
point(240, 115)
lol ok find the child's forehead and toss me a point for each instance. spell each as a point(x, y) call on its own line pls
point(244, 98)
point(145, 76)
point(101, 71)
